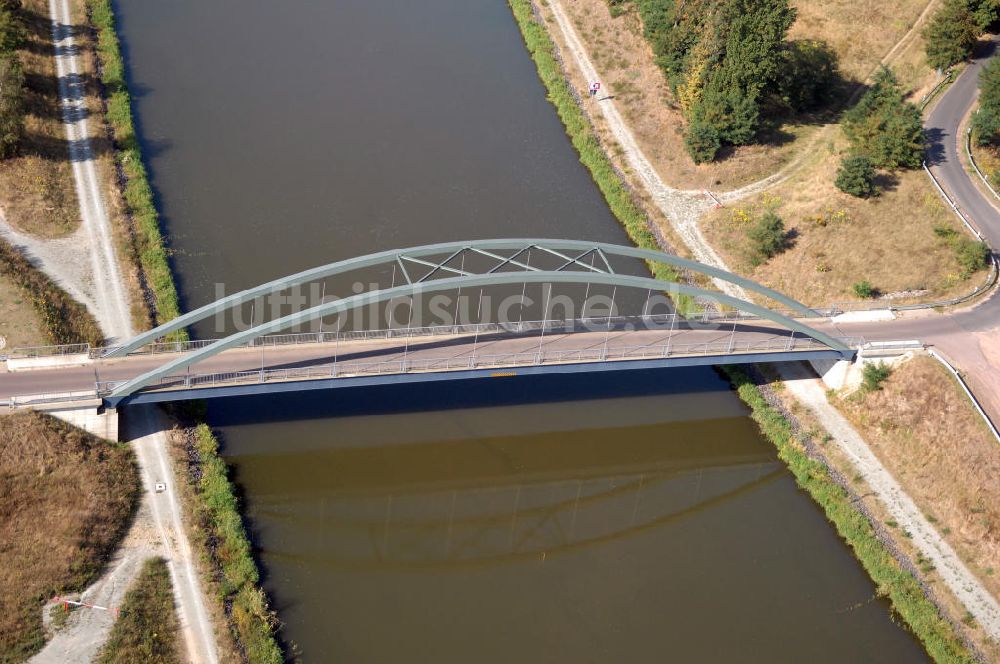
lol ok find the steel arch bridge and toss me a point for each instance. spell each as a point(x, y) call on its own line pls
point(464, 265)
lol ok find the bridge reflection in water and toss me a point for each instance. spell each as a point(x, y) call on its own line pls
point(619, 515)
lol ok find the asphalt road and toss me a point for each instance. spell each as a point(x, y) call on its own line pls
point(432, 352)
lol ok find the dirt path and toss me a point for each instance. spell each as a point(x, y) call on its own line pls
point(682, 208)
point(963, 583)
point(158, 527)
point(111, 301)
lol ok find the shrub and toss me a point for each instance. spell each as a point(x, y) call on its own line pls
point(864, 289)
point(702, 142)
point(856, 176)
point(972, 254)
point(11, 103)
point(12, 30)
point(873, 375)
point(617, 7)
point(951, 34)
point(767, 238)
point(885, 127)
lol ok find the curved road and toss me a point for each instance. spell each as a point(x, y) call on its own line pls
point(970, 338)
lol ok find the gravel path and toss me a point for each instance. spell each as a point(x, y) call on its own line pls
point(86, 266)
point(976, 598)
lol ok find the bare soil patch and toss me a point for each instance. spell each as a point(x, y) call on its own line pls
point(65, 501)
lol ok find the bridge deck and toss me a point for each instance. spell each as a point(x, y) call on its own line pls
point(381, 356)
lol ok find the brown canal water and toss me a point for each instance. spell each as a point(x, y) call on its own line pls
point(627, 517)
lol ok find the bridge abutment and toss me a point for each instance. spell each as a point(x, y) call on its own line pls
point(89, 416)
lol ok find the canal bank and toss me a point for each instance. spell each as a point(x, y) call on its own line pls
point(288, 571)
point(883, 562)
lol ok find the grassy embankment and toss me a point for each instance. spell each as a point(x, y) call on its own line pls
point(66, 498)
point(148, 249)
point(891, 580)
point(581, 133)
point(836, 240)
point(62, 319)
point(146, 628)
point(220, 532)
point(37, 196)
point(223, 540)
point(948, 463)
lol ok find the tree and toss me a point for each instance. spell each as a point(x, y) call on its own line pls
point(951, 34)
point(767, 238)
point(856, 176)
point(702, 142)
point(985, 12)
point(986, 122)
point(11, 103)
point(885, 127)
point(807, 75)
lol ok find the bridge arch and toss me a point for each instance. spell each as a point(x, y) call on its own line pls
point(488, 248)
point(468, 281)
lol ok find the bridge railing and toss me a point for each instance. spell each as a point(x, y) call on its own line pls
point(29, 352)
point(541, 356)
point(513, 327)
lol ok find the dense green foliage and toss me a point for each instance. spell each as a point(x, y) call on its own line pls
point(951, 34)
point(12, 31)
point(726, 60)
point(11, 103)
point(986, 122)
point(856, 176)
point(807, 75)
point(891, 580)
point(885, 127)
point(146, 628)
point(149, 247)
point(767, 237)
point(873, 374)
point(592, 155)
point(63, 319)
point(972, 255)
point(218, 515)
point(11, 78)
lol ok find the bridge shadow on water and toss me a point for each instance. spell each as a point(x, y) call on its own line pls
point(499, 391)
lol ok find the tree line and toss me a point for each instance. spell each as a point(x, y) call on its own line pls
point(730, 66)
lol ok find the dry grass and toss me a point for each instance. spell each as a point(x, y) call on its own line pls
point(19, 323)
point(839, 240)
point(861, 31)
point(621, 54)
point(65, 500)
point(844, 465)
point(36, 186)
point(624, 58)
point(948, 463)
